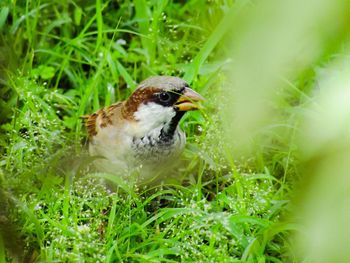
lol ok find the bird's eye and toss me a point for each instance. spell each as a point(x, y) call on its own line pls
point(164, 97)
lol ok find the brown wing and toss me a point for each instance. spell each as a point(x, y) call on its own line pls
point(90, 124)
point(100, 119)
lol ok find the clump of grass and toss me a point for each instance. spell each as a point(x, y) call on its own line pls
point(74, 58)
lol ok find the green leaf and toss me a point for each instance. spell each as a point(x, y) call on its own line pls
point(45, 72)
point(77, 15)
point(3, 16)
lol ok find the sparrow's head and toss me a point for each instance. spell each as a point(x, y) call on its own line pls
point(160, 101)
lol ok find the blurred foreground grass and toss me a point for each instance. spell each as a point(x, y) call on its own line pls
point(275, 75)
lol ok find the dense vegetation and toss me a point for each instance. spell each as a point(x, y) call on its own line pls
point(62, 59)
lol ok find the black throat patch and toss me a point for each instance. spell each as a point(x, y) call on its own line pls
point(167, 135)
point(158, 148)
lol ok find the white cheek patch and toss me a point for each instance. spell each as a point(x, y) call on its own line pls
point(152, 115)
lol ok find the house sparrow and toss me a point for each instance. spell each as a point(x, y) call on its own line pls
point(142, 132)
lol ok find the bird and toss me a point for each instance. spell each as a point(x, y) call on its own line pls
point(142, 133)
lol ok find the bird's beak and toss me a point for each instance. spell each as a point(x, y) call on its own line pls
point(187, 101)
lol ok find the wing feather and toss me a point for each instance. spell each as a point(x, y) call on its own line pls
point(100, 119)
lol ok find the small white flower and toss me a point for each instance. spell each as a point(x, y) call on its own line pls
point(121, 42)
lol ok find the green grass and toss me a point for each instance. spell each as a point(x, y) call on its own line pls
point(63, 59)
